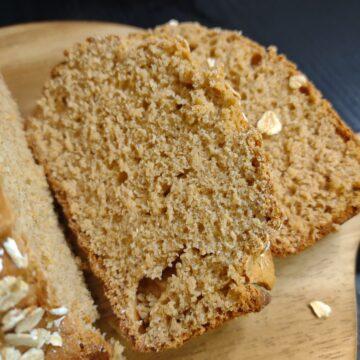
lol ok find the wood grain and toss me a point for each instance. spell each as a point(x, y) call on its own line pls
point(286, 328)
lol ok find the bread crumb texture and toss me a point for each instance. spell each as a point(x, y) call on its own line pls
point(164, 183)
point(39, 273)
point(315, 158)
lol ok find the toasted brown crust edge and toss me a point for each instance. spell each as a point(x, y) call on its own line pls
point(259, 303)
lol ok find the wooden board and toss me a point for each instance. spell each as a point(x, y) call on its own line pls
point(286, 328)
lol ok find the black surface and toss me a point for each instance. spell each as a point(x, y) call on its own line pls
point(321, 36)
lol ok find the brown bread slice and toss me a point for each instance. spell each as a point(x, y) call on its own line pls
point(164, 183)
point(52, 278)
point(315, 159)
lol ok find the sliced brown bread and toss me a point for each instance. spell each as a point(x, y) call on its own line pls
point(163, 182)
point(45, 308)
point(315, 158)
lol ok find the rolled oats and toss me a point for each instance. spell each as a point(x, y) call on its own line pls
point(28, 340)
point(58, 321)
point(20, 260)
point(60, 311)
point(12, 291)
point(10, 353)
point(12, 318)
point(173, 22)
point(320, 309)
point(297, 81)
point(43, 336)
point(30, 321)
point(33, 354)
point(55, 339)
point(269, 123)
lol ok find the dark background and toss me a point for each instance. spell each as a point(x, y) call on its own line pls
point(321, 36)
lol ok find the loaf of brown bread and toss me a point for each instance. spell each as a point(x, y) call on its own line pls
point(315, 158)
point(45, 308)
point(164, 183)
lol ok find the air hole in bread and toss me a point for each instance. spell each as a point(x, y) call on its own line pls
point(225, 289)
point(61, 103)
point(122, 177)
point(292, 107)
point(250, 181)
point(256, 59)
point(305, 90)
point(145, 105)
point(201, 227)
point(255, 162)
point(166, 188)
point(183, 174)
point(149, 291)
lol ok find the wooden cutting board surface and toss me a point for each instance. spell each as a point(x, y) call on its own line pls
point(286, 329)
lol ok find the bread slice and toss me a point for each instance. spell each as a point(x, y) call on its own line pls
point(315, 158)
point(39, 279)
point(163, 182)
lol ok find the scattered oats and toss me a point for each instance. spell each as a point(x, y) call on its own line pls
point(33, 354)
point(211, 62)
point(13, 251)
point(12, 318)
point(60, 311)
point(55, 339)
point(28, 340)
point(58, 321)
point(30, 321)
point(173, 22)
point(320, 309)
point(43, 336)
point(297, 81)
point(269, 123)
point(10, 353)
point(123, 311)
point(12, 291)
